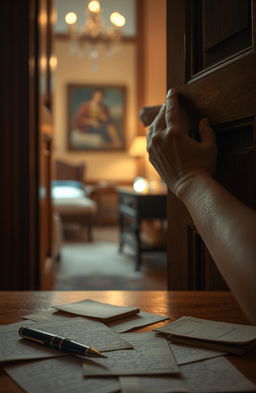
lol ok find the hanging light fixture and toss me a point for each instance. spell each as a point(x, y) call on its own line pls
point(93, 31)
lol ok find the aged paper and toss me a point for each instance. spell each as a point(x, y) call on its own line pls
point(141, 319)
point(12, 347)
point(93, 333)
point(103, 311)
point(85, 331)
point(209, 376)
point(187, 354)
point(51, 314)
point(210, 330)
point(151, 355)
point(59, 375)
point(162, 384)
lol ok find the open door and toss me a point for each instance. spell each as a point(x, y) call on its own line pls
point(212, 63)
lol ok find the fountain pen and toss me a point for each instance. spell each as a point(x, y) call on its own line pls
point(61, 343)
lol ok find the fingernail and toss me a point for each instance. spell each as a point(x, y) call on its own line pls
point(170, 93)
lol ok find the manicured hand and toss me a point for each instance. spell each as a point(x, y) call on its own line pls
point(176, 156)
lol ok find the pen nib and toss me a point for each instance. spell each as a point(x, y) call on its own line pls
point(94, 353)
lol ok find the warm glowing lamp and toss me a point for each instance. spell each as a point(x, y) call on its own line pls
point(140, 185)
point(94, 6)
point(138, 150)
point(117, 19)
point(70, 18)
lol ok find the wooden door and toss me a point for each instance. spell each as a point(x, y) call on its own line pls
point(212, 64)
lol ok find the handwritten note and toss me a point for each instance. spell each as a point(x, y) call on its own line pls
point(209, 376)
point(185, 354)
point(141, 319)
point(12, 347)
point(59, 375)
point(210, 330)
point(173, 384)
point(85, 331)
point(151, 355)
point(51, 314)
point(103, 311)
point(93, 333)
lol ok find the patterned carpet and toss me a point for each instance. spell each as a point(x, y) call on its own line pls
point(99, 266)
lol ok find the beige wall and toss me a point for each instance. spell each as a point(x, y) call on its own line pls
point(118, 69)
point(155, 58)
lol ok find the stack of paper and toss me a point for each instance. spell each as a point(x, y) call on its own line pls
point(223, 336)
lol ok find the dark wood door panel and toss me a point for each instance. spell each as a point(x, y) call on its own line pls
point(216, 30)
point(225, 92)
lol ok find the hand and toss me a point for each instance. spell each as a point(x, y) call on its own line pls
point(176, 156)
point(148, 113)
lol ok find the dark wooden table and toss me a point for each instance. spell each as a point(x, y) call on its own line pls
point(212, 305)
point(133, 208)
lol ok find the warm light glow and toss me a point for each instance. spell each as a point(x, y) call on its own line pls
point(53, 62)
point(138, 147)
point(70, 18)
point(94, 6)
point(140, 184)
point(117, 19)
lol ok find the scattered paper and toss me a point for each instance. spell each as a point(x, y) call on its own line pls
point(185, 354)
point(12, 347)
point(210, 330)
point(48, 315)
point(174, 384)
point(151, 355)
point(216, 375)
point(141, 319)
point(209, 376)
point(103, 311)
point(59, 375)
point(85, 331)
point(92, 333)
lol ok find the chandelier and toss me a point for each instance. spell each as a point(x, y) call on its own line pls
point(94, 32)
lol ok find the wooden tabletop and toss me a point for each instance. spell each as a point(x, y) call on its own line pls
point(209, 305)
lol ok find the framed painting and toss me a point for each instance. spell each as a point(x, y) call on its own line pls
point(96, 117)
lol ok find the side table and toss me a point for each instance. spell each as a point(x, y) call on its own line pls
point(134, 207)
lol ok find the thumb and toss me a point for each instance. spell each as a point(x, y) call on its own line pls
point(206, 132)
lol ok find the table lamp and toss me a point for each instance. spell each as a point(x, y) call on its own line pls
point(138, 150)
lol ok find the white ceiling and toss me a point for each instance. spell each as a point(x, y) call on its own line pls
point(125, 7)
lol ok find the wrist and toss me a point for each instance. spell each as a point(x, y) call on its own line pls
point(190, 183)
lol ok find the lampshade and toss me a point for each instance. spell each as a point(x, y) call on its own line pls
point(138, 147)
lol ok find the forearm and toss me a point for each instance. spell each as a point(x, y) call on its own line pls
point(228, 229)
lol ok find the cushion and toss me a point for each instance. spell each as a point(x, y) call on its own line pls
point(74, 205)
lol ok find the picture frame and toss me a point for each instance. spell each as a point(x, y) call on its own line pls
point(96, 117)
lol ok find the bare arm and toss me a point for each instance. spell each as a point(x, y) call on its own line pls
point(227, 226)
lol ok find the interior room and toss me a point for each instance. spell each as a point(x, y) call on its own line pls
point(128, 195)
point(95, 170)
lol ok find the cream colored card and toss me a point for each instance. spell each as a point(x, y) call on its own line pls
point(103, 311)
point(151, 356)
point(210, 330)
point(209, 376)
point(92, 333)
point(136, 321)
point(59, 375)
point(157, 384)
point(12, 347)
point(185, 354)
point(51, 314)
point(85, 331)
